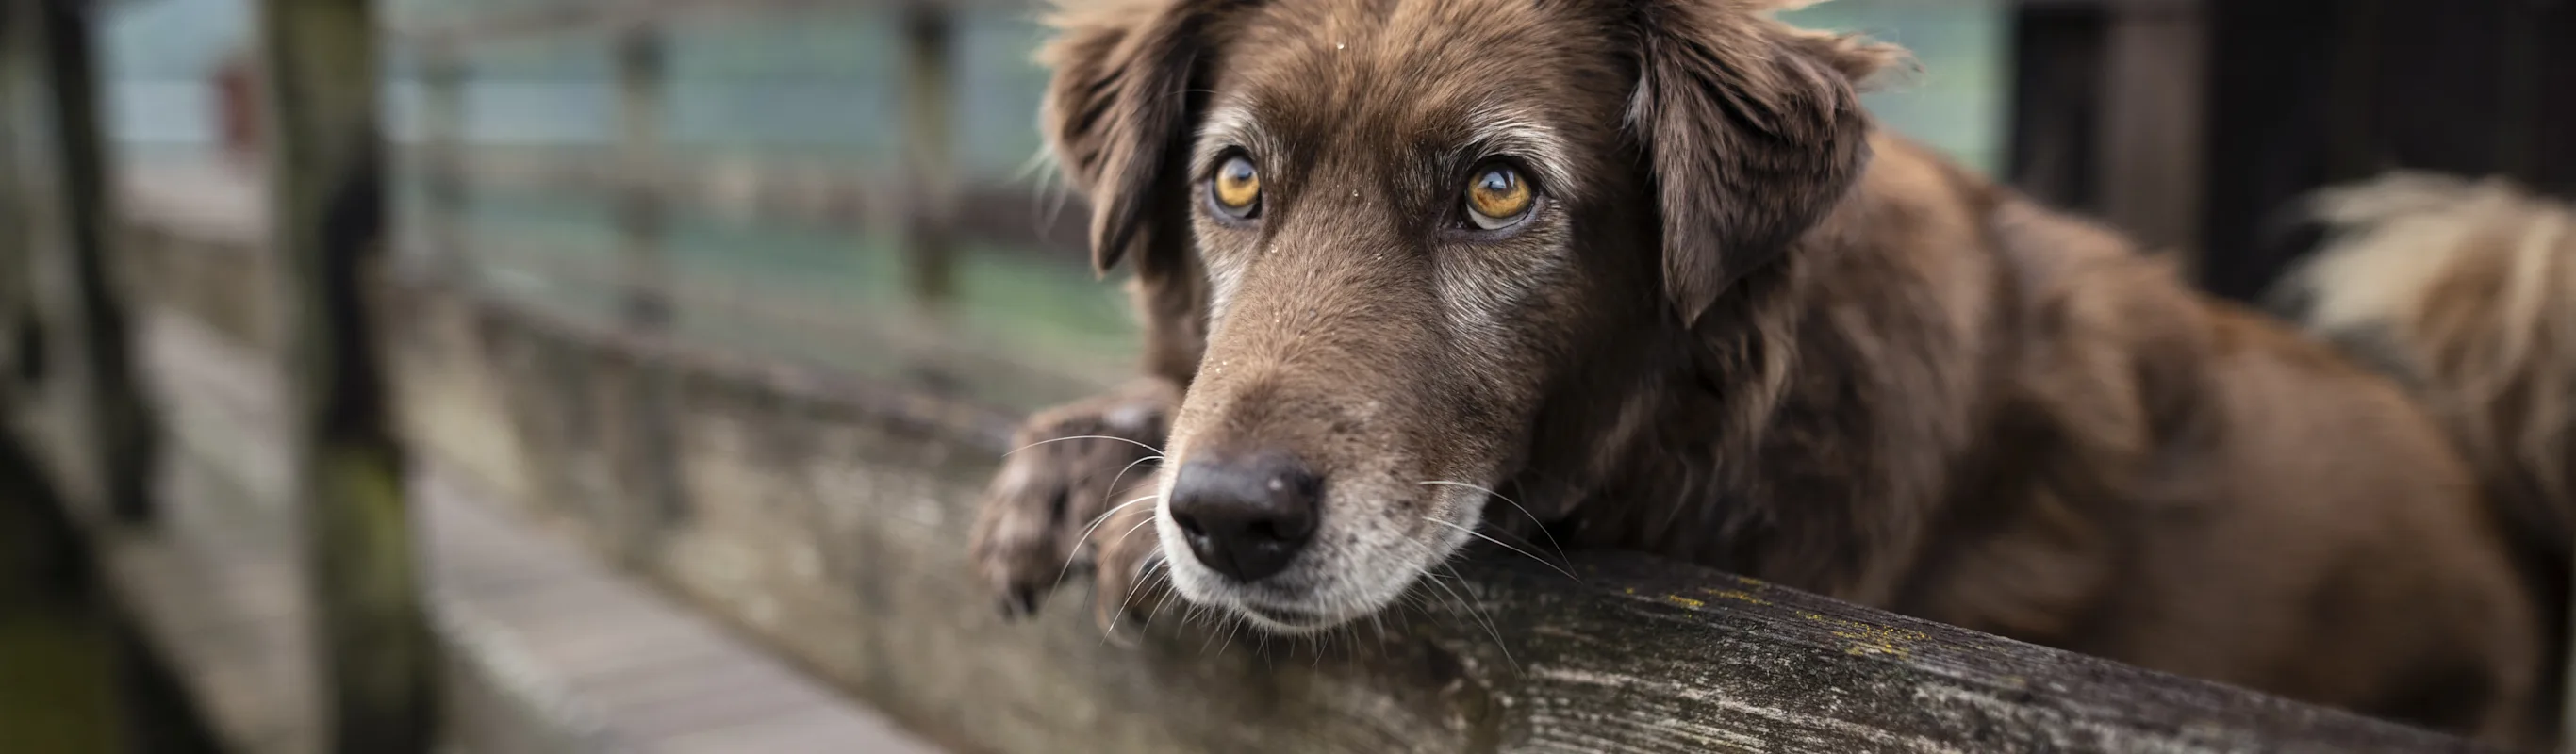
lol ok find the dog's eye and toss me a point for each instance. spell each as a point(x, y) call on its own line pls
point(1236, 188)
point(1498, 197)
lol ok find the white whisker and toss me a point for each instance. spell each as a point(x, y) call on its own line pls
point(1148, 448)
point(1507, 546)
point(1076, 550)
point(1122, 474)
point(1143, 582)
point(1525, 511)
point(1131, 531)
point(1162, 580)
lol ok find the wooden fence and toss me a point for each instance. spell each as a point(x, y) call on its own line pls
point(2194, 124)
point(819, 514)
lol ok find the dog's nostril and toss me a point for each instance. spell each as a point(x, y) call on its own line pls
point(1245, 517)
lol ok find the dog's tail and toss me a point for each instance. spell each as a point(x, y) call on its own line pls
point(2466, 292)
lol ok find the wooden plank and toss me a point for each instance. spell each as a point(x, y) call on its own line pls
point(544, 654)
point(556, 654)
point(213, 589)
point(372, 642)
point(120, 433)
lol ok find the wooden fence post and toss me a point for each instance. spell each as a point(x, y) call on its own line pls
point(930, 213)
point(120, 424)
point(443, 74)
point(17, 309)
point(2154, 97)
point(647, 450)
point(641, 77)
point(327, 174)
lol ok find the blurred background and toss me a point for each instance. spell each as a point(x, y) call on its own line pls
point(780, 134)
point(857, 187)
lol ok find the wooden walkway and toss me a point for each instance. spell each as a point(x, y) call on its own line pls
point(546, 648)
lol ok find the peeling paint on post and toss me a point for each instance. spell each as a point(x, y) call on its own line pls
point(121, 435)
point(328, 177)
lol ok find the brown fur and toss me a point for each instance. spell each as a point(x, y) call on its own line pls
point(2466, 292)
point(1745, 330)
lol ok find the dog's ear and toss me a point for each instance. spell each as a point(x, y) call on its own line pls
point(1117, 113)
point(1752, 129)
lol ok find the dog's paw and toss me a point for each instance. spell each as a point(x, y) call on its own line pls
point(1075, 494)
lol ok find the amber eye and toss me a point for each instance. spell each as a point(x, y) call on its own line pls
point(1498, 197)
point(1236, 188)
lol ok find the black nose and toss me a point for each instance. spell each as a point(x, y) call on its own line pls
point(1245, 517)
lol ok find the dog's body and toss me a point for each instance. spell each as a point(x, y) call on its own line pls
point(2007, 420)
point(1726, 333)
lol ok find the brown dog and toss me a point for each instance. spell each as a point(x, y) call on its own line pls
point(1645, 267)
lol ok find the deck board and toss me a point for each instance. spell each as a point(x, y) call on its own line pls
point(601, 659)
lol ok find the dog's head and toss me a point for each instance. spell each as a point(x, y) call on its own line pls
point(1410, 223)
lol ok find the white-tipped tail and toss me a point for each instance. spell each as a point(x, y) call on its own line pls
point(2467, 290)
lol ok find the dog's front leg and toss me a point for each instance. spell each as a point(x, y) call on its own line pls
point(1077, 495)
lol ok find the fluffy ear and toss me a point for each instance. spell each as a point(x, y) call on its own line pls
point(1752, 129)
point(1118, 111)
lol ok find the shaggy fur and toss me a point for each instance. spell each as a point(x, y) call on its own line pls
point(1741, 328)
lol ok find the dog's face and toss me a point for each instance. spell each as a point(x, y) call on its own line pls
point(1390, 263)
point(1410, 221)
